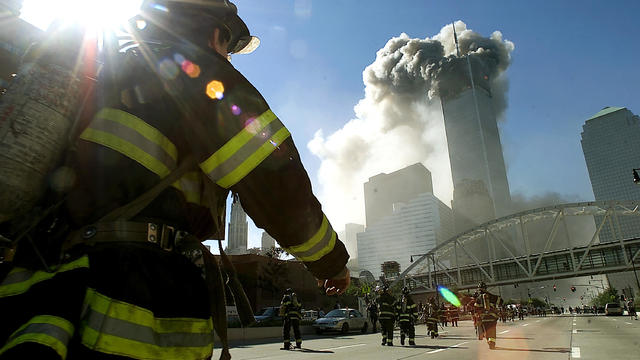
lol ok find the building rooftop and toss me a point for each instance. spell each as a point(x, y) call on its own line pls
point(605, 111)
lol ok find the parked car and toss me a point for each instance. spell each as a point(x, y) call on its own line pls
point(343, 320)
point(613, 309)
point(269, 315)
point(309, 315)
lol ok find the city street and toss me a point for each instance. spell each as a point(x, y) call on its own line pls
point(551, 337)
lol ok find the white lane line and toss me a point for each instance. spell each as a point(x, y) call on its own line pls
point(453, 346)
point(575, 331)
point(504, 332)
point(343, 347)
point(628, 323)
point(575, 352)
point(614, 319)
point(537, 320)
point(525, 325)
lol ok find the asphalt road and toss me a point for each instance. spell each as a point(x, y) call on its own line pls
point(552, 337)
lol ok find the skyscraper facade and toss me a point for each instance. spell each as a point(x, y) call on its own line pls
point(238, 229)
point(383, 190)
point(267, 242)
point(475, 151)
point(413, 227)
point(611, 146)
point(350, 239)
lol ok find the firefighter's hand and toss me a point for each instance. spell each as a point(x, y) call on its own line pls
point(336, 285)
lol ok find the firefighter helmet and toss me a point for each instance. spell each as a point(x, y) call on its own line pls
point(405, 290)
point(191, 18)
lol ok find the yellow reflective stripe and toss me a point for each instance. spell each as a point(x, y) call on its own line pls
point(47, 330)
point(126, 148)
point(19, 280)
point(320, 244)
point(243, 137)
point(314, 239)
point(116, 327)
point(322, 252)
point(254, 160)
point(246, 150)
point(115, 345)
point(139, 125)
point(124, 311)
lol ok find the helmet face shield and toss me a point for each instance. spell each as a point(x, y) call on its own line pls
point(241, 40)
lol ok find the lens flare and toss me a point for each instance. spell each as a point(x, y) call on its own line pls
point(215, 89)
point(449, 296)
point(168, 69)
point(191, 69)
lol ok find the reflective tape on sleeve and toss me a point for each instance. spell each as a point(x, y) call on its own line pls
point(116, 327)
point(51, 331)
point(319, 245)
point(246, 150)
point(20, 280)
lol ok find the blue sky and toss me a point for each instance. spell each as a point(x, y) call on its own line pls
point(571, 59)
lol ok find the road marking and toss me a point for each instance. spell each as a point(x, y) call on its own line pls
point(575, 352)
point(628, 323)
point(343, 347)
point(575, 331)
point(537, 320)
point(453, 346)
point(504, 332)
point(614, 319)
point(525, 325)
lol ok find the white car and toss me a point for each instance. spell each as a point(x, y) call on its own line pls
point(343, 320)
point(612, 309)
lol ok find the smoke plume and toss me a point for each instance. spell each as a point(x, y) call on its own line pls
point(399, 121)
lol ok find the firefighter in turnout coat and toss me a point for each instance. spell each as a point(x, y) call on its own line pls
point(406, 312)
point(486, 307)
point(387, 315)
point(290, 311)
point(433, 316)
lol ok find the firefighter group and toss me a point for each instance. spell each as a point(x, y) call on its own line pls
point(486, 310)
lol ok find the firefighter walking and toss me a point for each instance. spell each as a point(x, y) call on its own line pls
point(406, 312)
point(432, 317)
point(387, 315)
point(290, 311)
point(372, 311)
point(486, 306)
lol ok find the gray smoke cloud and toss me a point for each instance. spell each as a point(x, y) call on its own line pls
point(399, 121)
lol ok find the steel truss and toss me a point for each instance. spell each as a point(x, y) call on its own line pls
point(444, 265)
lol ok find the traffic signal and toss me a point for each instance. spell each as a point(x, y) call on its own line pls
point(573, 289)
point(554, 287)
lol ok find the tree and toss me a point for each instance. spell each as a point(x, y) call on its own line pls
point(607, 296)
point(535, 302)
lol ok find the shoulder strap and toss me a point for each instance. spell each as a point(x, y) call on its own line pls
point(131, 209)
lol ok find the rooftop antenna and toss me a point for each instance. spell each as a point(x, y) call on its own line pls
point(455, 37)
